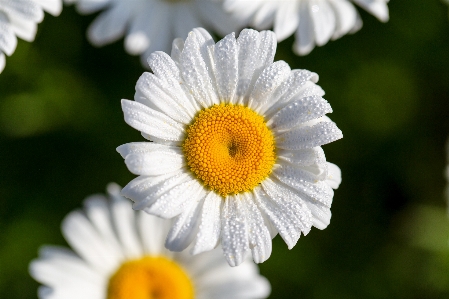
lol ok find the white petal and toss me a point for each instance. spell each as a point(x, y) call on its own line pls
point(151, 122)
point(288, 213)
point(234, 231)
point(216, 17)
point(377, 8)
point(60, 268)
point(210, 225)
point(226, 67)
point(269, 80)
point(137, 39)
point(264, 16)
point(346, 15)
point(164, 97)
point(299, 172)
point(324, 21)
point(23, 28)
point(299, 111)
point(185, 18)
point(109, 25)
point(152, 231)
point(177, 47)
point(286, 19)
point(304, 42)
point(303, 182)
point(309, 136)
point(155, 162)
point(175, 200)
point(125, 226)
point(159, 29)
point(90, 6)
point(258, 235)
point(97, 211)
point(296, 86)
point(304, 157)
point(239, 282)
point(8, 40)
point(197, 68)
point(256, 52)
point(86, 241)
point(185, 226)
point(24, 9)
point(142, 148)
point(51, 6)
point(2, 62)
point(334, 175)
point(145, 190)
point(321, 215)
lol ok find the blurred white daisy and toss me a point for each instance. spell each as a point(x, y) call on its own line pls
point(19, 18)
point(314, 22)
point(120, 254)
point(236, 154)
point(151, 25)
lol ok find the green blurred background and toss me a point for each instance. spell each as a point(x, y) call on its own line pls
point(60, 122)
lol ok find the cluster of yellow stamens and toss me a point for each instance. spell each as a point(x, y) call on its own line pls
point(150, 278)
point(229, 148)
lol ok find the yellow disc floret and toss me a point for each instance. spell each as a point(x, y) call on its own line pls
point(150, 278)
point(229, 148)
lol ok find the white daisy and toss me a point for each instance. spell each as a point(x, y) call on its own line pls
point(19, 18)
point(120, 254)
point(151, 25)
point(236, 150)
point(315, 21)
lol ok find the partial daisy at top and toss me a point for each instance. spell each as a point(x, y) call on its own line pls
point(151, 25)
point(19, 18)
point(313, 22)
point(119, 253)
point(236, 153)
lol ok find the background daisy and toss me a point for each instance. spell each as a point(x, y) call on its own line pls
point(314, 22)
point(236, 154)
point(19, 18)
point(151, 25)
point(119, 254)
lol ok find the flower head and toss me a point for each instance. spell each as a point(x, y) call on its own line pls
point(235, 153)
point(314, 22)
point(119, 254)
point(19, 18)
point(151, 25)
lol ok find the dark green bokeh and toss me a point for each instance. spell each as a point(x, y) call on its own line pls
point(60, 122)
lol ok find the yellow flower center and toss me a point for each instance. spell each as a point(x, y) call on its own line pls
point(150, 278)
point(229, 148)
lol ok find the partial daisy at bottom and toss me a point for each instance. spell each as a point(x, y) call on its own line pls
point(235, 151)
point(119, 254)
point(19, 18)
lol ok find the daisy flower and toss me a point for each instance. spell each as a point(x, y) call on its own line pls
point(151, 25)
point(19, 18)
point(235, 153)
point(314, 22)
point(120, 254)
